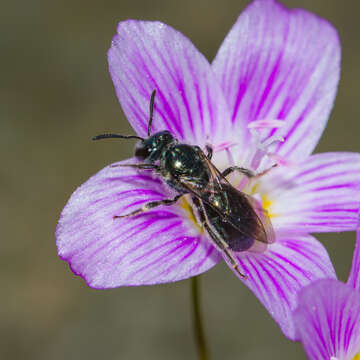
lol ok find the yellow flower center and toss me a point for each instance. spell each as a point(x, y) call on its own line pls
point(266, 202)
point(184, 203)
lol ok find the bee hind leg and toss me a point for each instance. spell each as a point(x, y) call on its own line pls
point(149, 206)
point(225, 248)
point(216, 237)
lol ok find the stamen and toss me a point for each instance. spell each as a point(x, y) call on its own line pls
point(267, 124)
point(271, 140)
point(261, 148)
point(224, 146)
point(278, 159)
point(230, 157)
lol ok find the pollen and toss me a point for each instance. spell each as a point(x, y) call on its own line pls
point(266, 202)
point(185, 205)
point(357, 357)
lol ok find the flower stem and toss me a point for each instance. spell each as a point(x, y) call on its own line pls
point(197, 320)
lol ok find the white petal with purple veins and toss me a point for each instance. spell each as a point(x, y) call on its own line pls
point(320, 194)
point(328, 320)
point(156, 247)
point(354, 277)
point(189, 102)
point(277, 275)
point(277, 63)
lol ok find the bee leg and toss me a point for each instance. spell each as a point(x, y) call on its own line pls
point(138, 166)
point(219, 241)
point(225, 248)
point(198, 214)
point(209, 150)
point(248, 173)
point(149, 206)
point(265, 171)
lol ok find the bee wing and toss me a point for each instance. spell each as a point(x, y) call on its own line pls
point(220, 185)
point(267, 234)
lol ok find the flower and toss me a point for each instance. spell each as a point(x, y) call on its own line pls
point(275, 77)
point(328, 316)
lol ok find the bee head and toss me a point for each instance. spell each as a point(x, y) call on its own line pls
point(151, 148)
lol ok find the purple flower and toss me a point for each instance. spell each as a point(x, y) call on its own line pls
point(328, 316)
point(275, 76)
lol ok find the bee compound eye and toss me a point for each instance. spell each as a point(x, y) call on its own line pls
point(141, 151)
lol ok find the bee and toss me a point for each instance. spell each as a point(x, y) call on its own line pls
point(233, 220)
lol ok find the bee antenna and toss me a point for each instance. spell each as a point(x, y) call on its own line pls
point(110, 136)
point(152, 100)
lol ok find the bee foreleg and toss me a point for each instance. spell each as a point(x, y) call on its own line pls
point(149, 206)
point(248, 173)
point(265, 171)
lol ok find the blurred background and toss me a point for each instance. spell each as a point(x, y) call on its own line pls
point(56, 94)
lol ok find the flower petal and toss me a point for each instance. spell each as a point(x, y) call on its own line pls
point(328, 320)
point(283, 64)
point(277, 275)
point(354, 277)
point(322, 194)
point(156, 247)
point(189, 102)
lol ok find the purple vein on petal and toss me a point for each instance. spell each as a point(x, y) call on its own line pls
point(171, 267)
point(168, 109)
point(270, 82)
point(255, 264)
point(202, 261)
point(295, 247)
point(276, 283)
point(284, 270)
point(348, 332)
point(263, 290)
point(154, 249)
point(292, 264)
point(321, 166)
point(172, 124)
point(150, 222)
point(130, 233)
point(312, 104)
point(328, 177)
point(163, 257)
point(336, 337)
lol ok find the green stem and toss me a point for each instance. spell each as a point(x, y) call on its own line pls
point(197, 320)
